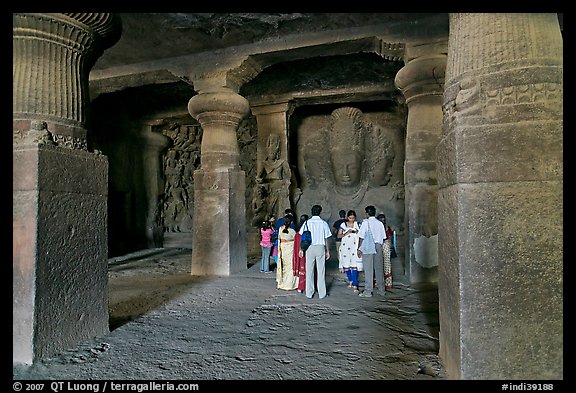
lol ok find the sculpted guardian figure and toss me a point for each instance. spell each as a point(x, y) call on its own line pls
point(275, 176)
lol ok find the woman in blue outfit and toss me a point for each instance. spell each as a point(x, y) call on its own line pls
point(348, 255)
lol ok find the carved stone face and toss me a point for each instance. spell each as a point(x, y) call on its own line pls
point(347, 167)
point(382, 173)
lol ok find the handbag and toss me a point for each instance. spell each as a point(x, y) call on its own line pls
point(368, 245)
point(306, 239)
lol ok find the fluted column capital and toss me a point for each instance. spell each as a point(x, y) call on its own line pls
point(219, 111)
point(423, 74)
point(80, 32)
point(52, 57)
point(222, 105)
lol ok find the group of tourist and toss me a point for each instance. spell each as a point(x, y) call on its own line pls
point(305, 271)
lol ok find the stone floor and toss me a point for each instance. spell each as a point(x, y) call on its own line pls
point(169, 325)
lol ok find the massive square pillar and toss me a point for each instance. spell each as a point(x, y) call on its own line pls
point(60, 276)
point(500, 203)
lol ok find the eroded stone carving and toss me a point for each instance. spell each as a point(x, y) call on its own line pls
point(258, 204)
point(38, 134)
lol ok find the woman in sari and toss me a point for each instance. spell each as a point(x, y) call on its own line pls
point(299, 264)
point(284, 273)
point(387, 251)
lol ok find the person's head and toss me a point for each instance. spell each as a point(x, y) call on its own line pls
point(351, 215)
point(271, 218)
point(287, 222)
point(303, 219)
point(370, 211)
point(316, 210)
point(288, 212)
point(382, 217)
point(265, 224)
point(342, 213)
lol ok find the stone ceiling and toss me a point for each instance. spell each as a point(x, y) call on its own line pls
point(153, 36)
point(313, 55)
point(316, 57)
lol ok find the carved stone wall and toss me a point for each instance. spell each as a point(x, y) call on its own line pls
point(247, 144)
point(181, 159)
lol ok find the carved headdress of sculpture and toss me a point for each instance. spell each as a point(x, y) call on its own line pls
point(347, 152)
point(346, 129)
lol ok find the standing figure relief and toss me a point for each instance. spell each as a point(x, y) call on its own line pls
point(275, 177)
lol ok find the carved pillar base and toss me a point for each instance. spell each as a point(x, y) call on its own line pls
point(219, 226)
point(60, 261)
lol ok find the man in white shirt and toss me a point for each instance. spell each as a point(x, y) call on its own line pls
point(318, 252)
point(373, 263)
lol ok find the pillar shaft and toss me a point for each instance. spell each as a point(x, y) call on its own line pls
point(60, 189)
point(421, 81)
point(219, 221)
point(273, 120)
point(153, 145)
point(500, 198)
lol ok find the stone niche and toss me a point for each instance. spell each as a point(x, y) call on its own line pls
point(321, 139)
point(349, 157)
point(180, 160)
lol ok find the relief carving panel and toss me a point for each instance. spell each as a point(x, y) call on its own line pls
point(180, 161)
point(350, 163)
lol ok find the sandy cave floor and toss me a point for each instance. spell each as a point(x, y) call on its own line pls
point(167, 324)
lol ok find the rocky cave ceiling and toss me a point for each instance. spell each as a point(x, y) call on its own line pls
point(148, 37)
point(153, 36)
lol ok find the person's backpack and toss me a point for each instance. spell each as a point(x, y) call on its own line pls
point(306, 239)
point(368, 246)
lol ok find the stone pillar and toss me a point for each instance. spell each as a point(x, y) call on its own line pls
point(153, 146)
point(219, 222)
point(60, 261)
point(421, 81)
point(273, 119)
point(500, 199)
